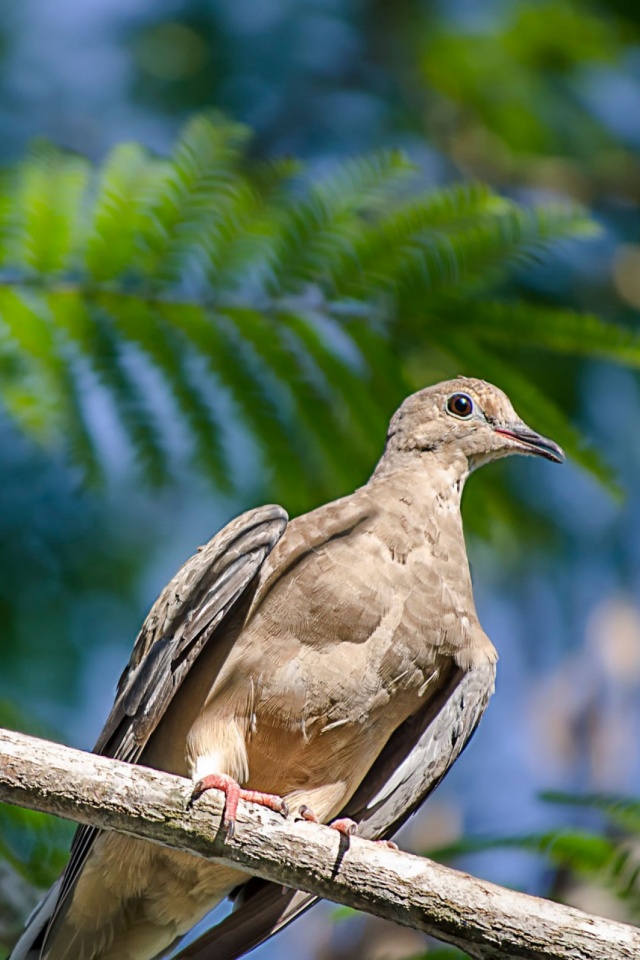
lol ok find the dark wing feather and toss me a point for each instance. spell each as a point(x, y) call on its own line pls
point(184, 617)
point(181, 622)
point(411, 765)
point(420, 752)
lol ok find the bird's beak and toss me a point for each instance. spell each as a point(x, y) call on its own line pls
point(531, 442)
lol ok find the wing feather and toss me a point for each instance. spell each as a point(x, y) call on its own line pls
point(183, 619)
point(180, 623)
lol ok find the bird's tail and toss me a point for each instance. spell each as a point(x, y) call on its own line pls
point(29, 945)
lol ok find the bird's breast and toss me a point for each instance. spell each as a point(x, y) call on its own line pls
point(348, 666)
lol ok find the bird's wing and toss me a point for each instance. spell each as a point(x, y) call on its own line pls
point(181, 621)
point(411, 765)
point(420, 752)
point(188, 612)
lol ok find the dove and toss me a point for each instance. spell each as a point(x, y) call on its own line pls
point(331, 667)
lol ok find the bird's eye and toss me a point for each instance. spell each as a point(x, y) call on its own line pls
point(460, 405)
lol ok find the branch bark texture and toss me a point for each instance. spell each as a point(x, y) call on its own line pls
point(481, 918)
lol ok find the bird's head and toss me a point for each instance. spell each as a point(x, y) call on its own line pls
point(465, 422)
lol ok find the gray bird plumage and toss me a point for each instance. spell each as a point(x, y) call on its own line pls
point(336, 661)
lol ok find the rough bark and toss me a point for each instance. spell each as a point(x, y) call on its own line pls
point(481, 918)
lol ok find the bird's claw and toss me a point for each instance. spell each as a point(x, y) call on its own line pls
point(307, 814)
point(233, 793)
point(345, 826)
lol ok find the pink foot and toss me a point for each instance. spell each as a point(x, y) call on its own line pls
point(345, 826)
point(307, 814)
point(233, 793)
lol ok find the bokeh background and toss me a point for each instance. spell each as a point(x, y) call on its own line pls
point(538, 100)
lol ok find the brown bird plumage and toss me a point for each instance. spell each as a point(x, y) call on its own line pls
point(339, 663)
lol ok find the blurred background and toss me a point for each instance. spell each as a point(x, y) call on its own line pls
point(182, 339)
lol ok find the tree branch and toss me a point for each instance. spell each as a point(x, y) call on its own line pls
point(481, 918)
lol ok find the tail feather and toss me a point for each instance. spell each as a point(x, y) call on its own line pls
point(133, 900)
point(262, 910)
point(29, 945)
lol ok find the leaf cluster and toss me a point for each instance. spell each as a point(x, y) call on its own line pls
point(606, 855)
point(545, 48)
point(164, 307)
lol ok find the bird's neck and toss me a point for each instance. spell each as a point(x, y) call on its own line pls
point(426, 491)
point(418, 497)
point(437, 471)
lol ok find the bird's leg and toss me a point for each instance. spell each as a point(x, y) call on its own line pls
point(233, 792)
point(344, 825)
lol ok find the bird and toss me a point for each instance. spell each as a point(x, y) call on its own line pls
point(330, 667)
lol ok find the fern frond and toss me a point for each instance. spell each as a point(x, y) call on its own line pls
point(348, 382)
point(578, 849)
point(388, 379)
point(143, 325)
point(48, 214)
point(257, 398)
point(302, 296)
point(238, 246)
point(124, 185)
point(306, 394)
point(7, 214)
point(50, 395)
point(91, 332)
point(314, 231)
point(201, 177)
point(371, 262)
point(482, 253)
point(520, 324)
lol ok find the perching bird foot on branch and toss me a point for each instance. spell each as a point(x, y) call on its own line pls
point(335, 662)
point(233, 792)
point(343, 825)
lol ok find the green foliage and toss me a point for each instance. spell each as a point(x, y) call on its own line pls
point(440, 953)
point(623, 813)
point(539, 46)
point(34, 846)
point(607, 855)
point(181, 291)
